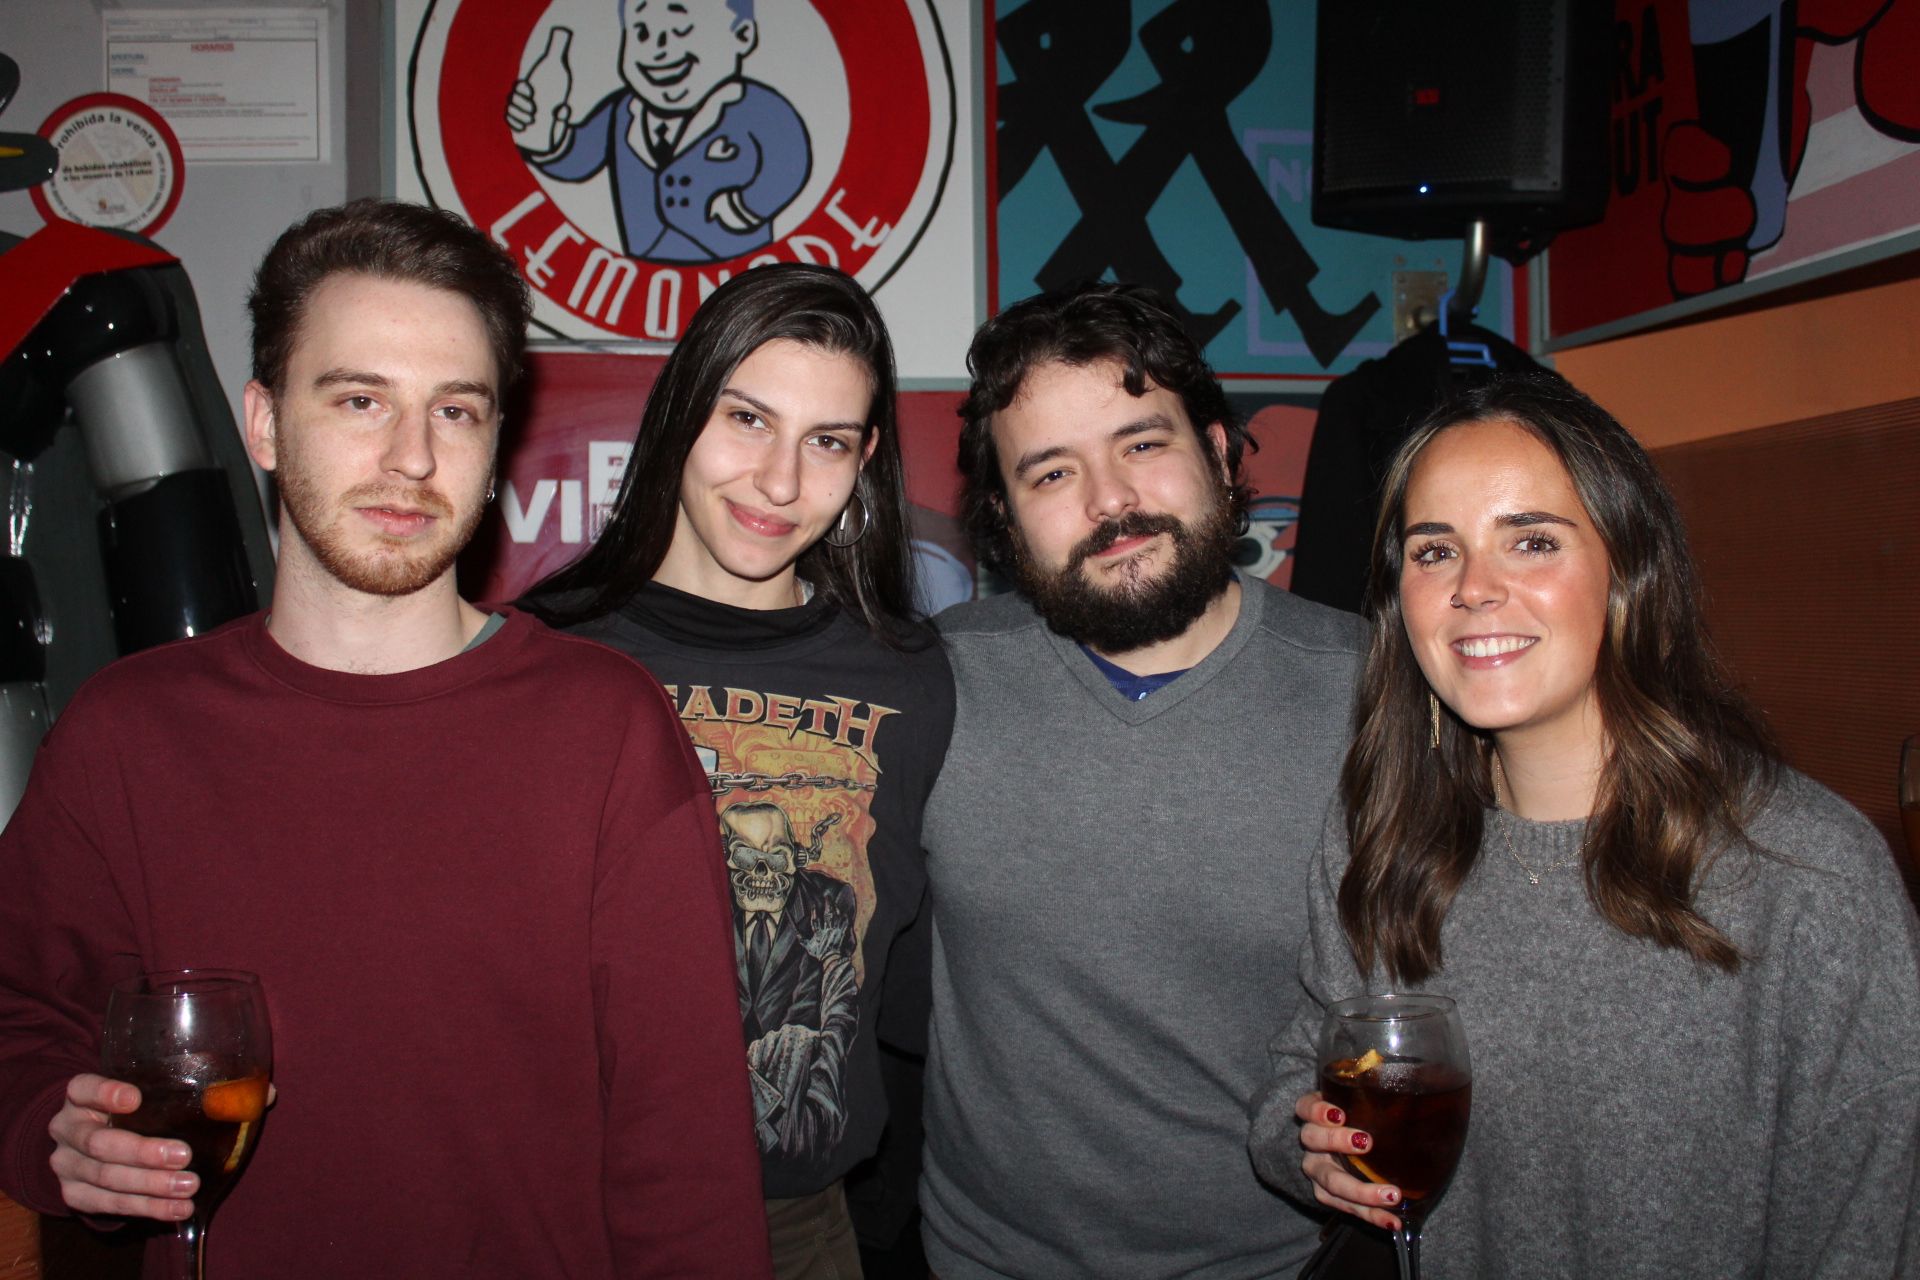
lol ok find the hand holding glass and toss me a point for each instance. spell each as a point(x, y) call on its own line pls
point(197, 1045)
point(1398, 1066)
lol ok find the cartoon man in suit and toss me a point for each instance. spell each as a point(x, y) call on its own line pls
point(700, 157)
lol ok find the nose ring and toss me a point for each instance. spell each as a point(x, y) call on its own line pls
point(1456, 603)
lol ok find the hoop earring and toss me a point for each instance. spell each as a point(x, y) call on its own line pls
point(489, 494)
point(838, 536)
point(1433, 722)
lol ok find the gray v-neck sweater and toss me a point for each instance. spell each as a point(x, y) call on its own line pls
point(1118, 909)
point(1636, 1114)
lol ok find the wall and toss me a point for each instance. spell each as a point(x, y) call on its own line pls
point(1779, 363)
point(228, 213)
point(1791, 434)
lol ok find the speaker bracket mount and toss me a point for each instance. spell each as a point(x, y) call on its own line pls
point(1416, 301)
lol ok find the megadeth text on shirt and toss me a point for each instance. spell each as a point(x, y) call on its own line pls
point(849, 723)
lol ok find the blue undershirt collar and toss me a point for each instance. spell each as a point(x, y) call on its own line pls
point(1130, 686)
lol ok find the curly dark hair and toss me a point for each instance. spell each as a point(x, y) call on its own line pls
point(1083, 325)
point(389, 240)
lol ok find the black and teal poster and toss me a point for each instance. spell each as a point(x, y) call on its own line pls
point(1170, 143)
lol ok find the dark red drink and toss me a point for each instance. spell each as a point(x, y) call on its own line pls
point(1416, 1112)
point(217, 1120)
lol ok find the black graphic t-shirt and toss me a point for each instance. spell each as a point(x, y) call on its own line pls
point(821, 744)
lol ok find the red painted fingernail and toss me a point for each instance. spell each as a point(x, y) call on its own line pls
point(1336, 1116)
point(1390, 1196)
point(1361, 1142)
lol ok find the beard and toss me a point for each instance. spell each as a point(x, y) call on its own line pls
point(392, 567)
point(1138, 610)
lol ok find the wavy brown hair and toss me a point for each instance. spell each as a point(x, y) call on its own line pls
point(1687, 759)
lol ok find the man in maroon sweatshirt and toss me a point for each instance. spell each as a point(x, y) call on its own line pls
point(473, 861)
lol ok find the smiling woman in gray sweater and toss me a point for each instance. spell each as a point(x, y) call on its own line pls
point(1689, 976)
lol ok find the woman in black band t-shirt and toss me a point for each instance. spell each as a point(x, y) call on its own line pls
point(757, 563)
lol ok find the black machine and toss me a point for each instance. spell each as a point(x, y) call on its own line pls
point(140, 525)
point(1428, 117)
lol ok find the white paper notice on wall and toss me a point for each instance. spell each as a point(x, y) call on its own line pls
point(236, 85)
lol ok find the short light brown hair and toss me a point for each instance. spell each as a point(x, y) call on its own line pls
point(389, 240)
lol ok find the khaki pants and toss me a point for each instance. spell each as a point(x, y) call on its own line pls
point(812, 1237)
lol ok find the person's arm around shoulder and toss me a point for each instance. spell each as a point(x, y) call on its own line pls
point(62, 924)
point(1844, 1196)
point(682, 1170)
point(1289, 1115)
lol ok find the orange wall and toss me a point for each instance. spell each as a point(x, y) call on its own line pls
point(1812, 407)
point(1782, 364)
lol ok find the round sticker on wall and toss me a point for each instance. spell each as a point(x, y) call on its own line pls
point(120, 165)
point(633, 154)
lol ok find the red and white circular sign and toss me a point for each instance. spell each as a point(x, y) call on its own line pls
point(632, 155)
point(120, 165)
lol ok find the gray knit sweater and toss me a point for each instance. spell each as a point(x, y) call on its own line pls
point(1636, 1114)
point(1118, 896)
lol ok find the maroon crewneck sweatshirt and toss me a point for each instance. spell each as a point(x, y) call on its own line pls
point(487, 902)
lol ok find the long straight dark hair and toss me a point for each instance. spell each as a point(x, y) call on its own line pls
point(1687, 759)
point(816, 306)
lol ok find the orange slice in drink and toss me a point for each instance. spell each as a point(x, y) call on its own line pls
point(1354, 1068)
point(235, 1101)
point(1359, 1165)
point(240, 1147)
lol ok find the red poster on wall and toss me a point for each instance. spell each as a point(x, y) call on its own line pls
point(630, 163)
point(1754, 143)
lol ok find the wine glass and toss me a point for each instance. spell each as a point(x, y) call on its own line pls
point(197, 1045)
point(1398, 1066)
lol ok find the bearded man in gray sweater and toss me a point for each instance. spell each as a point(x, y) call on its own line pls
point(1144, 749)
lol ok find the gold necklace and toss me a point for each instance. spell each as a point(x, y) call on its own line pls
point(1533, 877)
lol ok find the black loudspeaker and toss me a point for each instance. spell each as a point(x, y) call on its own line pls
point(1430, 115)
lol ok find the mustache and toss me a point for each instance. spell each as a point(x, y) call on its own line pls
point(423, 498)
point(1134, 524)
